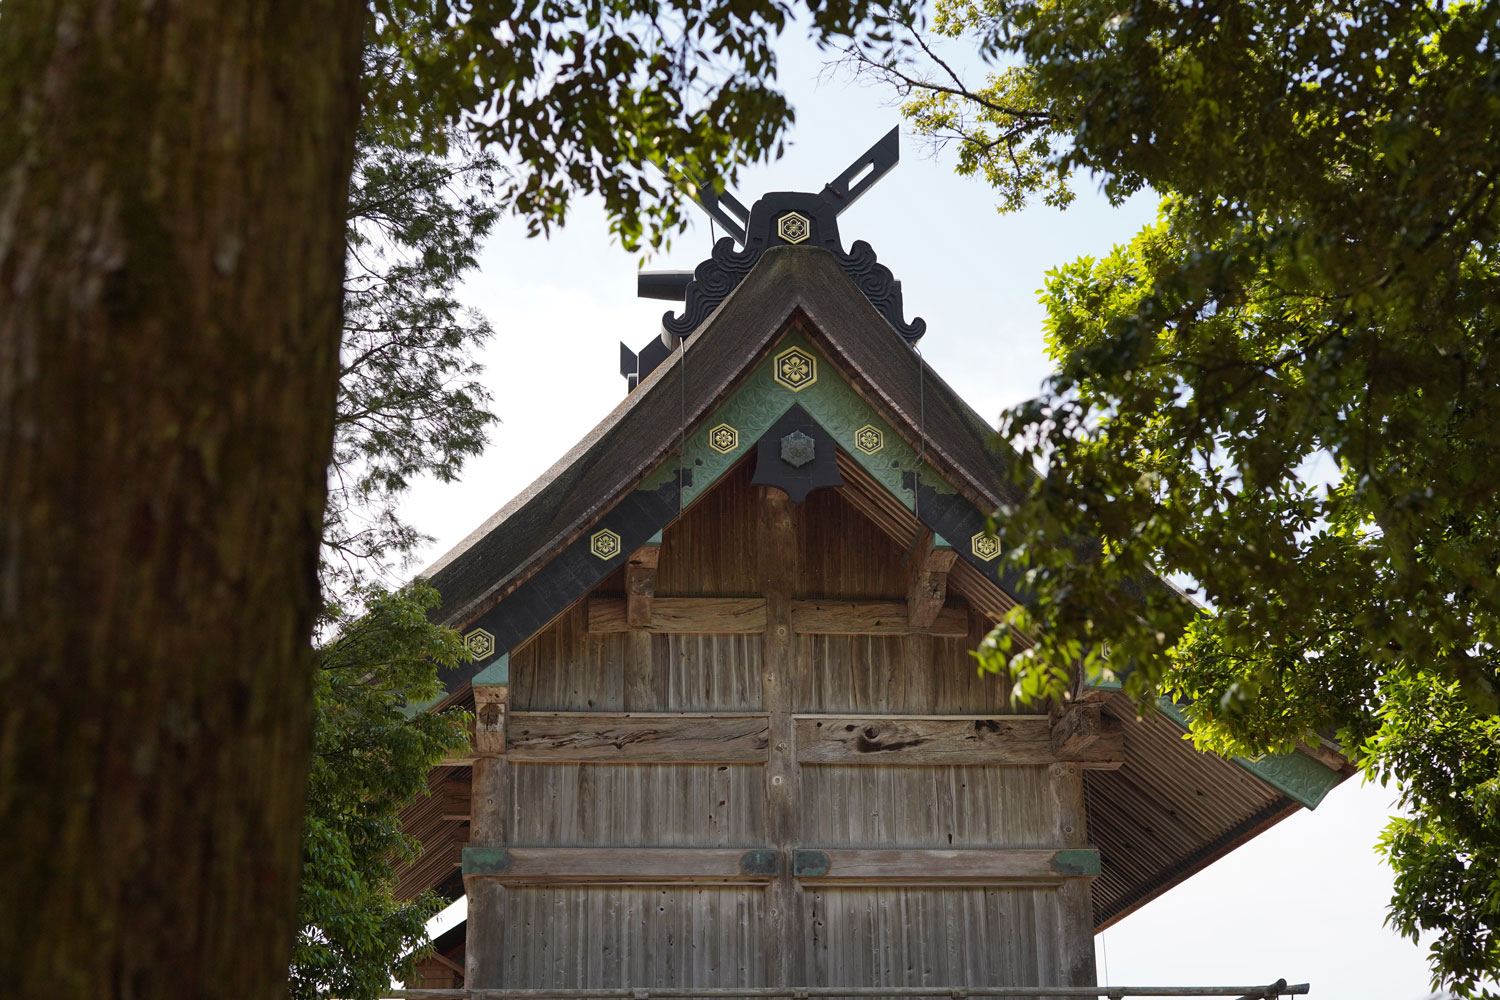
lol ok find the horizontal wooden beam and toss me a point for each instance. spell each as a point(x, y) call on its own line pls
point(733, 615)
point(639, 738)
point(973, 866)
point(620, 865)
point(874, 618)
point(464, 759)
point(682, 614)
point(947, 739)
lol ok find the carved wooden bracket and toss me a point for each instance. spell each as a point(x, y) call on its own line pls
point(640, 584)
point(491, 702)
point(927, 588)
point(1076, 729)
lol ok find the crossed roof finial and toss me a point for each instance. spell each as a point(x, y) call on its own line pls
point(776, 219)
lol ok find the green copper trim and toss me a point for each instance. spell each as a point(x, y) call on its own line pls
point(486, 861)
point(1081, 861)
point(1295, 775)
point(809, 864)
point(496, 673)
point(760, 401)
point(762, 863)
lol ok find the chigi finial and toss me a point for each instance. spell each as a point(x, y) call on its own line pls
point(781, 218)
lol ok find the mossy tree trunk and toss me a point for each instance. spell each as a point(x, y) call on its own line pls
point(173, 177)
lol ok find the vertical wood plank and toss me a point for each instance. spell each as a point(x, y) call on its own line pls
point(779, 562)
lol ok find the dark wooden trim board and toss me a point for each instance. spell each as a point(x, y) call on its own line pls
point(912, 739)
point(638, 738)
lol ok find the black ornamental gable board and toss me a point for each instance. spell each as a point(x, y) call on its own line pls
point(796, 366)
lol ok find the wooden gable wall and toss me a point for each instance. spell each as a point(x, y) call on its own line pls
point(645, 765)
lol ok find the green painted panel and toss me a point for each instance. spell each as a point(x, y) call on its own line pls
point(486, 861)
point(761, 862)
point(809, 864)
point(1081, 861)
point(496, 673)
point(760, 401)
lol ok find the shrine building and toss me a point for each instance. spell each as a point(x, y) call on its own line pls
point(729, 736)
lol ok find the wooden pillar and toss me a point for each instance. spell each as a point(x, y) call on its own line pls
point(779, 554)
point(484, 954)
point(1075, 896)
point(640, 584)
point(927, 580)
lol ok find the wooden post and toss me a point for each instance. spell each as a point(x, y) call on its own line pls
point(640, 584)
point(1075, 897)
point(779, 551)
point(927, 588)
point(490, 806)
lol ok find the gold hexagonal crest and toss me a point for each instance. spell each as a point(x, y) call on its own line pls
point(986, 547)
point(479, 643)
point(869, 439)
point(604, 543)
point(796, 369)
point(793, 227)
point(723, 439)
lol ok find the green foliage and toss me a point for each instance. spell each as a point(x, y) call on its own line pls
point(608, 98)
point(409, 403)
point(369, 761)
point(1446, 758)
point(1280, 393)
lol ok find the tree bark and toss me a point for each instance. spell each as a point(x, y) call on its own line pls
point(173, 176)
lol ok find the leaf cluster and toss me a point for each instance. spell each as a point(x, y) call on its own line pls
point(370, 760)
point(1282, 394)
point(636, 102)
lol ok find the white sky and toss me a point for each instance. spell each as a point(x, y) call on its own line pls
point(1304, 901)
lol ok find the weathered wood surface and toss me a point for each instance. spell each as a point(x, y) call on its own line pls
point(928, 589)
point(663, 805)
point(931, 936)
point(570, 679)
point(1077, 728)
point(619, 865)
point(961, 866)
point(491, 702)
point(457, 800)
point(492, 810)
point(674, 738)
point(942, 805)
point(640, 584)
point(834, 617)
point(780, 552)
point(642, 936)
point(717, 615)
point(567, 668)
point(893, 674)
point(918, 740)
